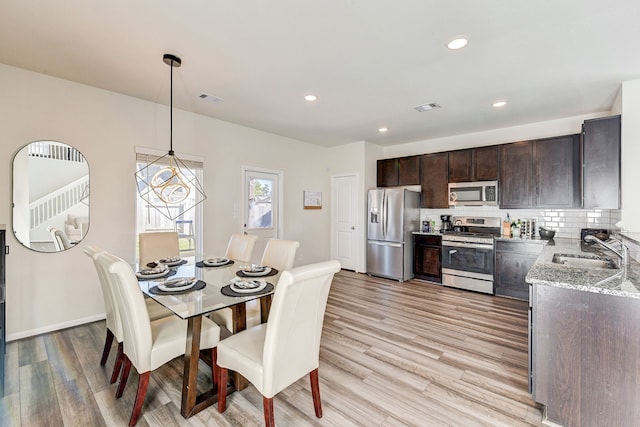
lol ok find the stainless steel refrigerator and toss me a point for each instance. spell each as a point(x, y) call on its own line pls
point(392, 215)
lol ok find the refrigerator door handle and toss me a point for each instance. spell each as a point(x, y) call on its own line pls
point(393, 245)
point(384, 215)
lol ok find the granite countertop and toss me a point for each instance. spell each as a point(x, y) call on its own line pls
point(623, 282)
point(428, 233)
point(522, 239)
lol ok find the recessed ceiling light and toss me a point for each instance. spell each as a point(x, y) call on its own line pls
point(499, 104)
point(382, 130)
point(310, 97)
point(458, 43)
point(210, 98)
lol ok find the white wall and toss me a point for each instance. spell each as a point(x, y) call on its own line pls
point(350, 159)
point(50, 291)
point(630, 111)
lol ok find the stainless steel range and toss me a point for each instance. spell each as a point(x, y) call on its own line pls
point(468, 253)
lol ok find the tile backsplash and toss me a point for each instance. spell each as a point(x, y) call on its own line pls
point(566, 222)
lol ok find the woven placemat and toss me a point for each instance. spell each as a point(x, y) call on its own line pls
point(202, 265)
point(157, 291)
point(241, 273)
point(226, 290)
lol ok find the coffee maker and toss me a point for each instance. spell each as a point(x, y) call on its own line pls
point(447, 225)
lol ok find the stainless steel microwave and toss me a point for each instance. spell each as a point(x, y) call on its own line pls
point(476, 193)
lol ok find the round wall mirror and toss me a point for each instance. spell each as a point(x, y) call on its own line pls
point(50, 196)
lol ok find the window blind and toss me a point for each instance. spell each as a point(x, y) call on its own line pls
point(150, 158)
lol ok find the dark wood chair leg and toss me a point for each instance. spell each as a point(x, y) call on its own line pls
point(214, 365)
point(267, 404)
point(315, 392)
point(143, 383)
point(223, 377)
point(118, 364)
point(123, 378)
point(107, 347)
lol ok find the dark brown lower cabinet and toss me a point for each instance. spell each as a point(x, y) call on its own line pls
point(585, 357)
point(514, 258)
point(427, 257)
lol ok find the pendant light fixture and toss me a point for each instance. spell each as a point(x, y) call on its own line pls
point(167, 184)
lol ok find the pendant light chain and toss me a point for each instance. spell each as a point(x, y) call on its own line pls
point(171, 112)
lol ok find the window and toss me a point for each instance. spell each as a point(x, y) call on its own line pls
point(188, 222)
point(260, 207)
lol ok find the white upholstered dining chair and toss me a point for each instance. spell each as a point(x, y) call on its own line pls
point(240, 246)
point(113, 320)
point(156, 245)
point(148, 345)
point(60, 240)
point(279, 254)
point(275, 354)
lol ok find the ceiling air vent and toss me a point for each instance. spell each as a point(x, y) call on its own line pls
point(210, 98)
point(427, 107)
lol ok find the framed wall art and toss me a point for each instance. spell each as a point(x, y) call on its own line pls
point(312, 199)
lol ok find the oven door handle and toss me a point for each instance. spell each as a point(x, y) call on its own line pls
point(488, 247)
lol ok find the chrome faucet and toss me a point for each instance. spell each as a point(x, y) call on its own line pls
point(622, 252)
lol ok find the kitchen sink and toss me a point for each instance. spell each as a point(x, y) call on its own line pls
point(584, 261)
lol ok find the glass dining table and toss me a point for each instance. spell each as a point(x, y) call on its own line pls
point(193, 304)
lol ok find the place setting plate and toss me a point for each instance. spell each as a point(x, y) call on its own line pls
point(214, 262)
point(179, 285)
point(153, 273)
point(256, 271)
point(172, 261)
point(242, 287)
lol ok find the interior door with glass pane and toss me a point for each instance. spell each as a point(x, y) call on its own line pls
point(261, 207)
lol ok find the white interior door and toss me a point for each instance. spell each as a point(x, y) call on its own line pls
point(344, 220)
point(262, 207)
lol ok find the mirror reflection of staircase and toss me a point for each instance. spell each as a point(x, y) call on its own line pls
point(59, 193)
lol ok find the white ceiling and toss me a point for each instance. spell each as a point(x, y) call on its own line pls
point(368, 61)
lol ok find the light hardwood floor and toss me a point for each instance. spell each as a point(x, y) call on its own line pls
point(392, 354)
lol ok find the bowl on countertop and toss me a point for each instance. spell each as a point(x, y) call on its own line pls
point(546, 234)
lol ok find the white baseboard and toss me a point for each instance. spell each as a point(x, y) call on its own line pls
point(56, 327)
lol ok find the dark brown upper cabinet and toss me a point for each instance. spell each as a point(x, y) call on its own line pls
point(476, 164)
point(542, 173)
point(557, 166)
point(601, 163)
point(485, 163)
point(399, 171)
point(434, 180)
point(517, 184)
point(460, 166)
point(409, 170)
point(387, 174)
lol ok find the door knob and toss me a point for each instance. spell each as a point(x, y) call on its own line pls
point(352, 227)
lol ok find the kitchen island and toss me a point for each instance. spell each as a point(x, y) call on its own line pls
point(585, 337)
